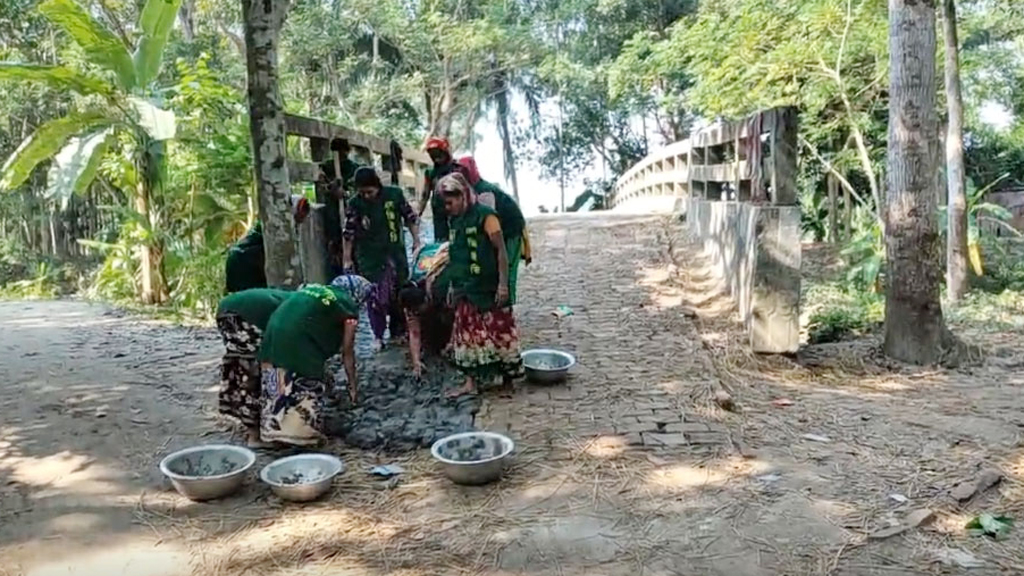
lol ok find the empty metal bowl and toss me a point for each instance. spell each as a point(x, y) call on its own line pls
point(473, 458)
point(302, 477)
point(208, 472)
point(547, 366)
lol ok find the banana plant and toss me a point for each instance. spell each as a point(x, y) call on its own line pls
point(119, 99)
point(979, 211)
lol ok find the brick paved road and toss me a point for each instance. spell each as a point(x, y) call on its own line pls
point(639, 355)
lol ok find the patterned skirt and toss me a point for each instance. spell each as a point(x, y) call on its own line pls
point(239, 371)
point(485, 344)
point(292, 407)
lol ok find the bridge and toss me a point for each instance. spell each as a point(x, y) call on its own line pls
point(735, 184)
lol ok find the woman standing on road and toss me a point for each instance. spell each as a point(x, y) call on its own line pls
point(485, 339)
point(314, 324)
point(241, 320)
point(374, 226)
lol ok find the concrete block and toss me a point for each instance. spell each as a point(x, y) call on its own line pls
point(312, 247)
point(775, 290)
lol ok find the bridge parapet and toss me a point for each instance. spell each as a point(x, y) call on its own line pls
point(736, 183)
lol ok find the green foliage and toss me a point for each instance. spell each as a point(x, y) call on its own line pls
point(57, 77)
point(156, 21)
point(836, 313)
point(864, 254)
point(100, 45)
point(46, 141)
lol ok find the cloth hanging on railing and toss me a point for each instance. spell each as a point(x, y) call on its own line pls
point(395, 161)
point(758, 192)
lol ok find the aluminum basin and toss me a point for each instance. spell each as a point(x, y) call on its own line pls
point(208, 472)
point(302, 477)
point(545, 366)
point(473, 458)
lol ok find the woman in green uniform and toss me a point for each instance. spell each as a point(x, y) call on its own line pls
point(485, 339)
point(513, 224)
point(243, 268)
point(313, 324)
point(444, 164)
point(376, 245)
point(241, 319)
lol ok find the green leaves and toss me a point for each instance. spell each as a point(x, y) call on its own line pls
point(60, 77)
point(44, 143)
point(74, 167)
point(156, 21)
point(997, 527)
point(101, 46)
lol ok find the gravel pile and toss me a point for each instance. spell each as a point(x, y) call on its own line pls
point(397, 411)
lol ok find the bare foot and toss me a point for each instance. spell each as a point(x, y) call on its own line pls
point(468, 388)
point(252, 439)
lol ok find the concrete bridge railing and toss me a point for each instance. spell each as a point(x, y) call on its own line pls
point(315, 136)
point(736, 184)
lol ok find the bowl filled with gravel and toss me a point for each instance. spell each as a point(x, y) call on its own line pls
point(208, 472)
point(545, 366)
point(302, 477)
point(473, 458)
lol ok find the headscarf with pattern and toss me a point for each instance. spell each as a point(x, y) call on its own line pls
point(457, 182)
point(357, 287)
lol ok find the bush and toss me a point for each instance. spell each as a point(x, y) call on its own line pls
point(836, 313)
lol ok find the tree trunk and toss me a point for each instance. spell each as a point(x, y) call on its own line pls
point(186, 17)
point(956, 214)
point(151, 179)
point(263, 21)
point(506, 141)
point(914, 328)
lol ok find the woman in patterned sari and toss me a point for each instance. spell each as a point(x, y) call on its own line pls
point(485, 339)
point(314, 324)
point(241, 319)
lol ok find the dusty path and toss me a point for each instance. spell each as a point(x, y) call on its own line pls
point(629, 469)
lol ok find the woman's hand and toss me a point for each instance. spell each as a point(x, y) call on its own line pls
point(353, 393)
point(501, 298)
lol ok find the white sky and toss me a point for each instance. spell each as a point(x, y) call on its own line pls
point(533, 192)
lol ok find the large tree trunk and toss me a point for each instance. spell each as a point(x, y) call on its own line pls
point(263, 21)
point(914, 328)
point(956, 215)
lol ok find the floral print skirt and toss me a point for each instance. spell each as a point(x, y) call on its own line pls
point(239, 395)
point(485, 344)
point(292, 407)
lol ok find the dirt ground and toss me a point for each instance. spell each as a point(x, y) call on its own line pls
point(628, 469)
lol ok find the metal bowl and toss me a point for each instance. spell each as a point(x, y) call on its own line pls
point(302, 477)
point(208, 472)
point(473, 458)
point(547, 366)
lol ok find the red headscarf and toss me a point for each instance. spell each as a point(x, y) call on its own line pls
point(436, 142)
point(472, 171)
point(456, 181)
